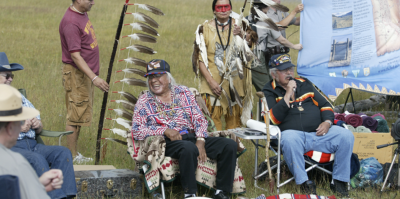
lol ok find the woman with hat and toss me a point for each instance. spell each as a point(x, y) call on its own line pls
point(171, 111)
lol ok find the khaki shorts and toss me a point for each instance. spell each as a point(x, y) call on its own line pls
point(79, 91)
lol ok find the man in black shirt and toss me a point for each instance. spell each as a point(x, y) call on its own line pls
point(305, 118)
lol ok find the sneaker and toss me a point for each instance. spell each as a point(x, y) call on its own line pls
point(80, 159)
point(221, 195)
point(308, 187)
point(340, 188)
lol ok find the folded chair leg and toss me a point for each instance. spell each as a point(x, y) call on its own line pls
point(162, 190)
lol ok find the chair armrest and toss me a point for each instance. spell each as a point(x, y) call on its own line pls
point(54, 133)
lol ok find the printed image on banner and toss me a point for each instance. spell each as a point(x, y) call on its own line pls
point(351, 44)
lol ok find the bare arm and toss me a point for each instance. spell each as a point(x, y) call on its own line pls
point(82, 66)
point(215, 88)
point(289, 44)
point(286, 21)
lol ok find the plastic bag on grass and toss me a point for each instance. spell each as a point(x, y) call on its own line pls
point(370, 174)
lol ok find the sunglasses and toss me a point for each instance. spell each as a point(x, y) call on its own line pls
point(8, 76)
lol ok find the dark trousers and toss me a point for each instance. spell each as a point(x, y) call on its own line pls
point(217, 148)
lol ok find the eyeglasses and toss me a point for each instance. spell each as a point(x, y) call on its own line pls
point(7, 76)
point(291, 70)
point(22, 122)
point(155, 76)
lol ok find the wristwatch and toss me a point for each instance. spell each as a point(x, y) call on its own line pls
point(330, 122)
point(202, 139)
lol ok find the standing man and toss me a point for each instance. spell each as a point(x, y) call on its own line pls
point(271, 42)
point(12, 116)
point(41, 157)
point(80, 55)
point(217, 37)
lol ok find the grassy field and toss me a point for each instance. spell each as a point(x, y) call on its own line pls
point(29, 36)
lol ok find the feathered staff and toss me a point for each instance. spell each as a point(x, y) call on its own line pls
point(142, 37)
point(142, 17)
point(116, 140)
point(134, 71)
point(143, 27)
point(105, 95)
point(141, 49)
point(133, 82)
point(121, 112)
point(135, 61)
point(265, 113)
point(127, 105)
point(150, 8)
point(122, 122)
point(127, 95)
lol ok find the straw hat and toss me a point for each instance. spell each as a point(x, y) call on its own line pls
point(11, 105)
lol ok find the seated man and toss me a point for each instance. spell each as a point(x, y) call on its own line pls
point(12, 115)
point(305, 118)
point(170, 110)
point(41, 157)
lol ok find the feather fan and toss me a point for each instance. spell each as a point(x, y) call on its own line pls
point(133, 82)
point(200, 101)
point(142, 37)
point(123, 113)
point(275, 5)
point(127, 105)
point(142, 17)
point(229, 102)
point(263, 17)
point(122, 122)
point(238, 99)
point(128, 96)
point(135, 61)
point(140, 48)
point(134, 71)
point(150, 8)
point(239, 67)
point(119, 132)
point(116, 140)
point(143, 27)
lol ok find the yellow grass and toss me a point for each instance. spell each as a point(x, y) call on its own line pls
point(29, 35)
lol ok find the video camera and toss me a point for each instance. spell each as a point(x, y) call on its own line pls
point(395, 132)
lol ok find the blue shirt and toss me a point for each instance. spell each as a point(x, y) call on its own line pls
point(31, 133)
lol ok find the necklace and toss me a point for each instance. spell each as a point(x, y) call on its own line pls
point(162, 112)
point(77, 10)
point(229, 34)
point(223, 24)
point(170, 115)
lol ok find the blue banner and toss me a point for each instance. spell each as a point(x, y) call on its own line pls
point(351, 44)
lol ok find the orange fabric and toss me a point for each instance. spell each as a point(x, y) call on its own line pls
point(231, 121)
point(326, 109)
point(273, 119)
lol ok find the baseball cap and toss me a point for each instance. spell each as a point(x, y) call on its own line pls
point(280, 62)
point(157, 66)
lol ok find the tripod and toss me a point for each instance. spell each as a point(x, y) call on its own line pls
point(396, 152)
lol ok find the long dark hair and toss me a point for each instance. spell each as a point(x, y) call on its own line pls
point(215, 2)
point(254, 14)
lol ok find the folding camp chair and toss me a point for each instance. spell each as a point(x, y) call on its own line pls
point(47, 133)
point(313, 158)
